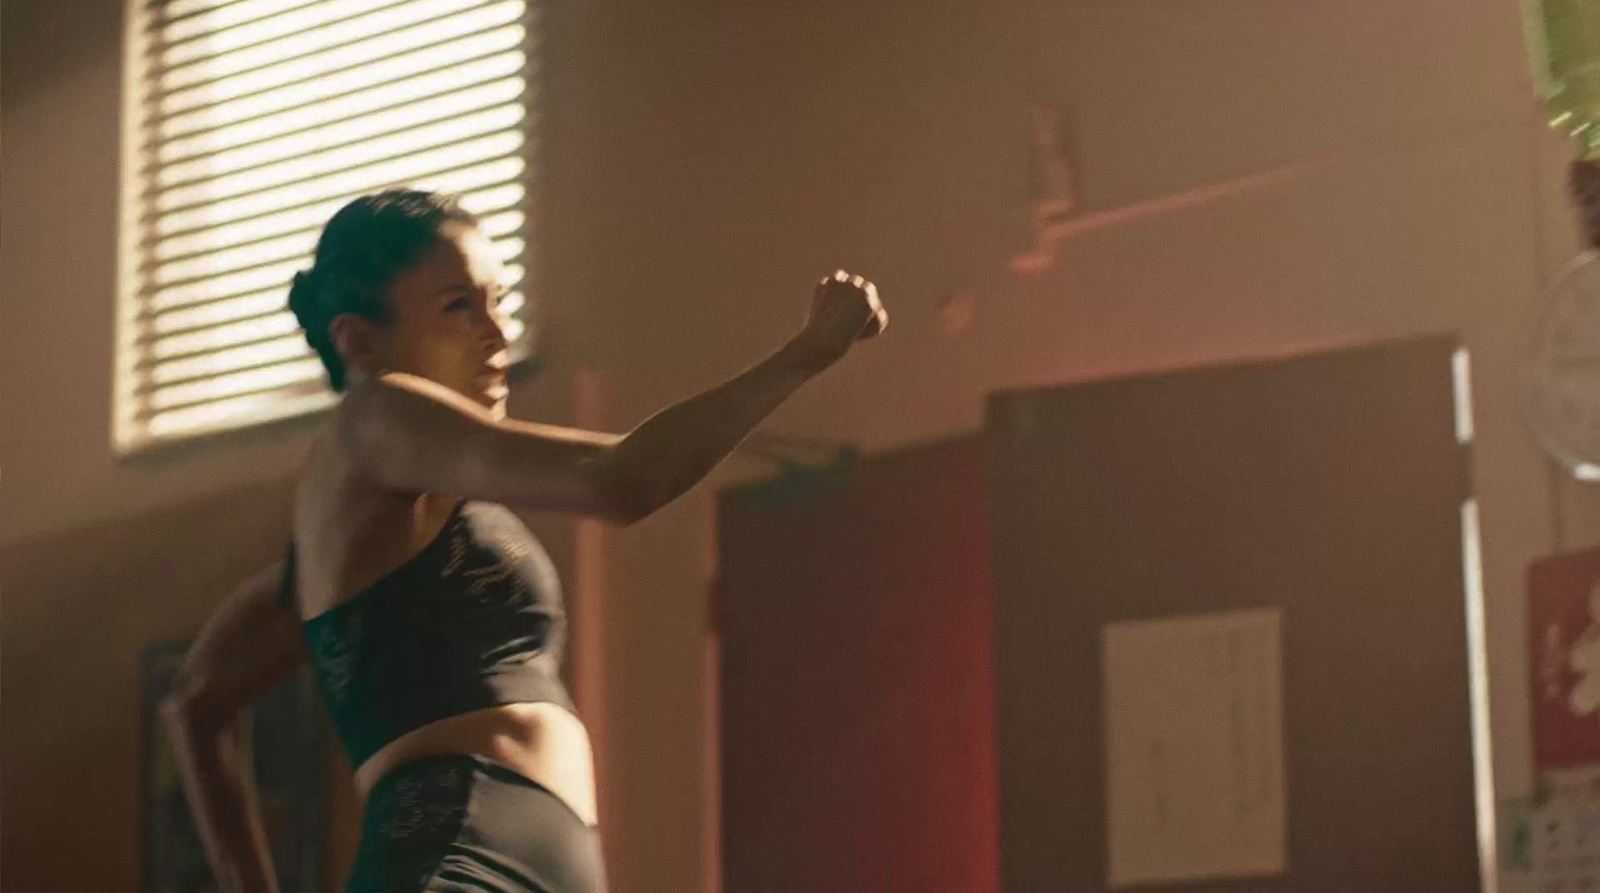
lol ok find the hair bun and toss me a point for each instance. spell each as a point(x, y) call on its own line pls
point(303, 296)
point(304, 282)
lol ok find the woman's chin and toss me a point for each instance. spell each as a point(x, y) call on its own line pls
point(489, 394)
point(494, 398)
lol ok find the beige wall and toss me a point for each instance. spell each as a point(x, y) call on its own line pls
point(704, 160)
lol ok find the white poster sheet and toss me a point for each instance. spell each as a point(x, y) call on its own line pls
point(1195, 779)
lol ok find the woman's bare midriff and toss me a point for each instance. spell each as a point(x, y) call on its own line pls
point(544, 742)
point(372, 532)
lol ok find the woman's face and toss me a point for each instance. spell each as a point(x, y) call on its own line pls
point(444, 320)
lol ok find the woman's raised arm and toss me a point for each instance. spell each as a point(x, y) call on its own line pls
point(413, 435)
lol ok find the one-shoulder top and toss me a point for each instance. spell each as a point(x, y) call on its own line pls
point(473, 620)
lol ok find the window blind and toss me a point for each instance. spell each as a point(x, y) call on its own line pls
point(251, 122)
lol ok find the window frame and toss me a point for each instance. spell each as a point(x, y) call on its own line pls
point(133, 361)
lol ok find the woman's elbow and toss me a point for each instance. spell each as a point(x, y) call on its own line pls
point(190, 711)
point(622, 507)
point(610, 492)
point(184, 720)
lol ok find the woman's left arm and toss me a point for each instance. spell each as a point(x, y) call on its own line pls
point(412, 435)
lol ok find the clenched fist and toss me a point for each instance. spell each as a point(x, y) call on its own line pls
point(844, 309)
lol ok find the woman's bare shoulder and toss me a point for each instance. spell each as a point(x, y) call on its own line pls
point(410, 435)
point(340, 518)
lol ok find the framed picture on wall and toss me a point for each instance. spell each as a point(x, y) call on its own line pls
point(286, 732)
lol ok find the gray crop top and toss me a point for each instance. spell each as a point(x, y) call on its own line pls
point(473, 620)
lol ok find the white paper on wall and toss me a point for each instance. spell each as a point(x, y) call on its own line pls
point(1194, 748)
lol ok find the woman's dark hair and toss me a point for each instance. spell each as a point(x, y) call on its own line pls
point(362, 247)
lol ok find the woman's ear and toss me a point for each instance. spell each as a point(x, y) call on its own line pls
point(358, 342)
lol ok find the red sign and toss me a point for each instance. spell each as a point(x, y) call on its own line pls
point(1564, 632)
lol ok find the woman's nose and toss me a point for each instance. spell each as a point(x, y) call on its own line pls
point(494, 325)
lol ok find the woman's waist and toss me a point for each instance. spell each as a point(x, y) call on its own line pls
point(544, 742)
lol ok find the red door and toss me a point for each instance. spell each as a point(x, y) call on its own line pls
point(857, 685)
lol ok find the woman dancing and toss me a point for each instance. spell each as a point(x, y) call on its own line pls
point(431, 616)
